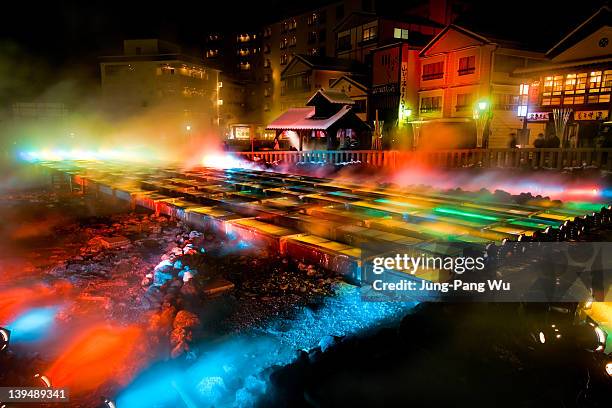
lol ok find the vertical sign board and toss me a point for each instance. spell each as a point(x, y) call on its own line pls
point(403, 104)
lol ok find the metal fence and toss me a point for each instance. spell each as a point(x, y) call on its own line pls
point(510, 158)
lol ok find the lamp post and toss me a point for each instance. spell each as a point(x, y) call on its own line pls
point(482, 114)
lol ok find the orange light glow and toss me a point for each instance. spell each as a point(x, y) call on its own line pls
point(95, 356)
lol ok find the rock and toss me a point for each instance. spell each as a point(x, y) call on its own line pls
point(185, 319)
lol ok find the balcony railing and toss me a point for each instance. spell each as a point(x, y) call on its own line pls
point(485, 158)
point(466, 71)
point(431, 109)
point(435, 75)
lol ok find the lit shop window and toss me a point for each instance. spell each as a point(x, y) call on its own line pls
point(606, 85)
point(594, 81)
point(573, 100)
point(400, 33)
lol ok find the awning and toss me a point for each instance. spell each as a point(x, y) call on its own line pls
point(302, 119)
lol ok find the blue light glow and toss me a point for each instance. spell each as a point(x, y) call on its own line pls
point(33, 325)
point(228, 370)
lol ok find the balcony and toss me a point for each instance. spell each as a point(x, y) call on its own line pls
point(430, 109)
point(434, 75)
point(466, 71)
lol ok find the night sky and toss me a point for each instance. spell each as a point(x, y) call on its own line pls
point(64, 38)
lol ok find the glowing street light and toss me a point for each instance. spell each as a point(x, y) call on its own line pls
point(188, 128)
point(404, 115)
point(609, 369)
point(482, 114)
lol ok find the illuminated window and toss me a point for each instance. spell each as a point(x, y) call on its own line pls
point(570, 84)
point(606, 85)
point(467, 65)
point(313, 18)
point(433, 71)
point(431, 104)
point(292, 41)
point(284, 59)
point(400, 33)
point(267, 63)
point(369, 33)
point(267, 92)
point(266, 78)
point(243, 37)
point(267, 48)
point(283, 43)
point(581, 80)
point(464, 102)
point(557, 86)
point(594, 81)
point(547, 88)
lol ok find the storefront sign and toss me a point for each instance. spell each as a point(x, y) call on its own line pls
point(403, 108)
point(538, 116)
point(242, 132)
point(384, 89)
point(591, 115)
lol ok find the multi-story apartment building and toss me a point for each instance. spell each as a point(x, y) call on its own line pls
point(575, 81)
point(461, 73)
point(155, 75)
point(360, 33)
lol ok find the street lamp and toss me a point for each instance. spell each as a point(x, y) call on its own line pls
point(482, 114)
point(404, 115)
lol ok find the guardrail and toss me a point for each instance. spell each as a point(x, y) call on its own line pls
point(509, 158)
